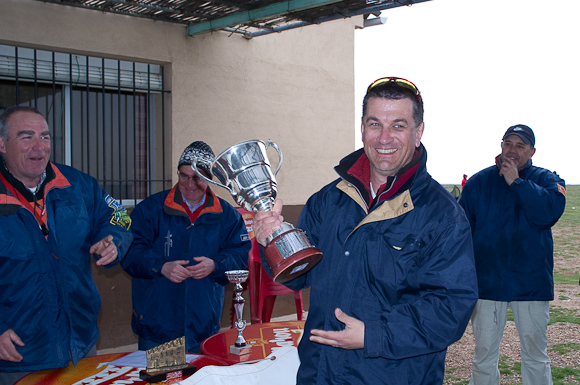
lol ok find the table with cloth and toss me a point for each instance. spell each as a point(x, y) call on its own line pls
point(273, 359)
point(107, 369)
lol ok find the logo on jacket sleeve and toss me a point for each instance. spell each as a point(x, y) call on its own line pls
point(561, 189)
point(120, 216)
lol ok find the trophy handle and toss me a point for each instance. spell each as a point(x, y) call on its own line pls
point(280, 157)
point(194, 167)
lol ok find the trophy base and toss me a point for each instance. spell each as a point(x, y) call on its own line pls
point(240, 350)
point(286, 269)
point(170, 376)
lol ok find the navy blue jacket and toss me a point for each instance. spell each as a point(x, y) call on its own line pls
point(512, 236)
point(403, 265)
point(47, 293)
point(164, 310)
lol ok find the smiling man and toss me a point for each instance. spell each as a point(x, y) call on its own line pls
point(27, 154)
point(512, 207)
point(52, 219)
point(396, 285)
point(186, 238)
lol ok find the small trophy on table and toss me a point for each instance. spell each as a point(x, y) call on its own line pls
point(167, 362)
point(238, 277)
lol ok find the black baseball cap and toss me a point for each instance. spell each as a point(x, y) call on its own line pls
point(524, 132)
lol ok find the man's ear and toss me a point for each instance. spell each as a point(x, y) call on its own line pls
point(2, 145)
point(419, 134)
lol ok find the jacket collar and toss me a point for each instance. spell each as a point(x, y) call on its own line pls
point(10, 204)
point(173, 204)
point(21, 188)
point(53, 178)
point(355, 169)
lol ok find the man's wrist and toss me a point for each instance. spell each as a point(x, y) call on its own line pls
point(516, 182)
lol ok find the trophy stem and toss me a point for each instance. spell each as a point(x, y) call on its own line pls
point(239, 308)
point(266, 204)
point(284, 228)
point(240, 347)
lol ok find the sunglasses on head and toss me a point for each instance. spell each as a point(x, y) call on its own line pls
point(398, 81)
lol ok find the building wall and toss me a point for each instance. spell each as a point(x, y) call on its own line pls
point(295, 88)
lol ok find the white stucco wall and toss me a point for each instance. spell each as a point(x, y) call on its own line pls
point(295, 87)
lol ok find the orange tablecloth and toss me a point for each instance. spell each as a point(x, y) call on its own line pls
point(262, 337)
point(87, 368)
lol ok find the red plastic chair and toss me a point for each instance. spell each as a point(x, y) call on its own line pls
point(263, 290)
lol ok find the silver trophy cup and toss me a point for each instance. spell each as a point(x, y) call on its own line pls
point(244, 170)
point(240, 347)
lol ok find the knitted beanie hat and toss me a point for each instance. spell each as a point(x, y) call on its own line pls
point(202, 152)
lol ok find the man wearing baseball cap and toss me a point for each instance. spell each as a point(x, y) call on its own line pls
point(523, 132)
point(512, 207)
point(186, 238)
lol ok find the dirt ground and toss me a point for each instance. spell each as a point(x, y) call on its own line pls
point(460, 354)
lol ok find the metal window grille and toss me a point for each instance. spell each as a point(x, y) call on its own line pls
point(107, 117)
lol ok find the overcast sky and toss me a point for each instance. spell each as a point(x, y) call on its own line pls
point(482, 66)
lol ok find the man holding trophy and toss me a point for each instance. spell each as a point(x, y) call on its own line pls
point(396, 284)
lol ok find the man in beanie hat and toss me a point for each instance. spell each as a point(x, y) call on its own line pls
point(511, 207)
point(201, 152)
point(186, 238)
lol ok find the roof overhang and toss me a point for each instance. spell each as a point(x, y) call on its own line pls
point(249, 18)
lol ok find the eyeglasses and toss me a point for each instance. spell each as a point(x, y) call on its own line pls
point(399, 81)
point(187, 178)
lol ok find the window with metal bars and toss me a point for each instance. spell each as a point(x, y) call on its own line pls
point(107, 117)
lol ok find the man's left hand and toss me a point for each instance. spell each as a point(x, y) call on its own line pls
point(106, 250)
point(204, 267)
point(351, 337)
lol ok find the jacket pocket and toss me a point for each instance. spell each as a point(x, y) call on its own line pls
point(16, 240)
point(393, 264)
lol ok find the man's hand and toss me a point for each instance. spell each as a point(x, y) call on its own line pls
point(265, 222)
point(351, 337)
point(105, 249)
point(7, 349)
point(175, 271)
point(204, 267)
point(509, 170)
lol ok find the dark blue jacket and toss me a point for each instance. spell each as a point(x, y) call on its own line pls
point(512, 236)
point(404, 267)
point(164, 310)
point(47, 293)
